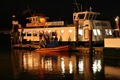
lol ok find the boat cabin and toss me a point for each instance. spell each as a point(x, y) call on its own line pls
point(89, 20)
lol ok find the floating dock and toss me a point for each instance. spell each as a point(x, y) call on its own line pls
point(112, 48)
point(96, 50)
point(25, 46)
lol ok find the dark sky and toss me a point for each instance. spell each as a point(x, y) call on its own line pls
point(54, 9)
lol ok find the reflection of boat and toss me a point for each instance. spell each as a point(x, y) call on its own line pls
point(55, 49)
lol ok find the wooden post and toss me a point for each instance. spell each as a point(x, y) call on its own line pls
point(117, 26)
point(90, 46)
point(76, 24)
point(90, 42)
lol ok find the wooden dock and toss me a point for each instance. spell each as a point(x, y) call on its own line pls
point(96, 50)
point(26, 46)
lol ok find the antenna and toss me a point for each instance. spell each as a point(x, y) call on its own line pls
point(90, 8)
point(77, 5)
point(86, 5)
point(29, 9)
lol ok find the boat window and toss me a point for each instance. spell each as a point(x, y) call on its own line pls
point(81, 16)
point(91, 16)
point(29, 33)
point(95, 32)
point(108, 31)
point(80, 32)
point(74, 17)
point(33, 19)
point(34, 33)
point(54, 33)
point(98, 31)
point(40, 33)
point(87, 16)
point(23, 33)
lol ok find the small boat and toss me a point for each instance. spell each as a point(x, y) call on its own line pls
point(55, 49)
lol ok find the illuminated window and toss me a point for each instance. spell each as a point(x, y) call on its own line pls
point(80, 32)
point(95, 32)
point(42, 20)
point(81, 16)
point(108, 31)
point(29, 33)
point(23, 33)
point(98, 31)
point(34, 33)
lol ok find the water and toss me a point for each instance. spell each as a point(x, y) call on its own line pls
point(29, 65)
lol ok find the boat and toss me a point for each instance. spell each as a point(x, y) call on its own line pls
point(77, 32)
point(65, 48)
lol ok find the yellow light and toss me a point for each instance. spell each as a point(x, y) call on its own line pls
point(42, 20)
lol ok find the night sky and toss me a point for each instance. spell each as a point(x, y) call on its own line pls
point(54, 9)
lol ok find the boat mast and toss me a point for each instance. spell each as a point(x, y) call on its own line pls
point(77, 5)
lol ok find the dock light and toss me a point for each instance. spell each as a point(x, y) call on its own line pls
point(116, 19)
point(13, 16)
point(117, 26)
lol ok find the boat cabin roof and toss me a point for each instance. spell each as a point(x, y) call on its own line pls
point(34, 19)
point(89, 15)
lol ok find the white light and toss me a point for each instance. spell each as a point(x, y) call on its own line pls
point(95, 32)
point(98, 31)
point(97, 66)
point(70, 67)
point(62, 65)
point(80, 32)
point(62, 31)
point(70, 31)
point(49, 31)
point(116, 19)
point(80, 66)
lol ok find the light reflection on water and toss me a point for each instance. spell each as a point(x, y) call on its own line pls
point(52, 66)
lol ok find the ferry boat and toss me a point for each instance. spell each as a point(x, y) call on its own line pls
point(83, 22)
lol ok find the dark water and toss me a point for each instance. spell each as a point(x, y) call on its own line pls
point(29, 65)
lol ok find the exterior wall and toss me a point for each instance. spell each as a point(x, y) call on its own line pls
point(67, 34)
